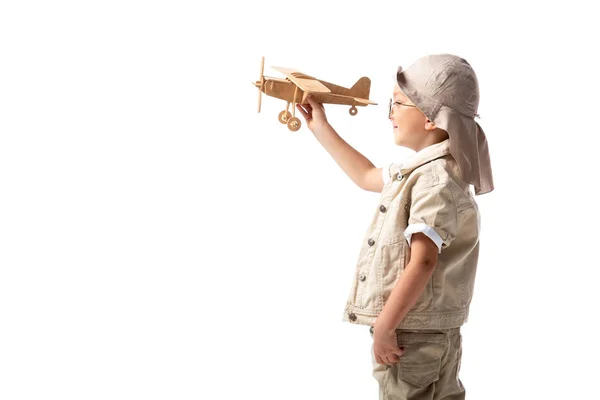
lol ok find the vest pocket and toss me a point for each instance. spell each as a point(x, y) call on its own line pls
point(390, 267)
point(422, 359)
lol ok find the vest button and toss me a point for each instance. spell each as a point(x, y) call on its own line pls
point(352, 317)
point(371, 242)
point(362, 278)
point(382, 208)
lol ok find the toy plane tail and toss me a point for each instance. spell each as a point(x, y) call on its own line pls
point(361, 88)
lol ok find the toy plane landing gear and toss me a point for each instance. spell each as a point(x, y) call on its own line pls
point(293, 124)
point(285, 117)
point(296, 87)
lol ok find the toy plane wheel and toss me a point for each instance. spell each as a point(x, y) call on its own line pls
point(293, 124)
point(284, 116)
point(353, 110)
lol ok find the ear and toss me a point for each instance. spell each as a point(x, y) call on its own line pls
point(429, 125)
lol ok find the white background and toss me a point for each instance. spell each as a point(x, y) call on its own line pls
point(160, 239)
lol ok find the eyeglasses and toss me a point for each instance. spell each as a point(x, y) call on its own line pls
point(397, 103)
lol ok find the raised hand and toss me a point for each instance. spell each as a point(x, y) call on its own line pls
point(314, 114)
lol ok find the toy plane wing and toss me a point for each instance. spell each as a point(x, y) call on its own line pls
point(365, 101)
point(303, 81)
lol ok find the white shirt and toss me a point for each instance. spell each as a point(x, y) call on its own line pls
point(413, 228)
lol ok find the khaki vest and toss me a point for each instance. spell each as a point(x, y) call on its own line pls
point(428, 189)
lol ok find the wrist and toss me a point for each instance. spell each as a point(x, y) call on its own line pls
point(383, 325)
point(321, 127)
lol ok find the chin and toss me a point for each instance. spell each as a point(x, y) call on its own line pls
point(398, 140)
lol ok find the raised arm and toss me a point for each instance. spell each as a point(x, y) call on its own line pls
point(358, 168)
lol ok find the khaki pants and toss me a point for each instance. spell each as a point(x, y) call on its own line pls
point(428, 369)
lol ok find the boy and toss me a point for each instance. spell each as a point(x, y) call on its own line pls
point(415, 274)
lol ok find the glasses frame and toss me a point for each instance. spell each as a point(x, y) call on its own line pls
point(393, 103)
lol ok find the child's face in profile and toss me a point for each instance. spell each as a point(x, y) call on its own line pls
point(408, 122)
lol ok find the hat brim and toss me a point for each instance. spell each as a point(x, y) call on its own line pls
point(428, 105)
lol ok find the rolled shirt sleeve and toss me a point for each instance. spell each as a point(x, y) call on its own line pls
point(433, 212)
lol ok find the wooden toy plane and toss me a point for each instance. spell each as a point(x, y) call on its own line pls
point(297, 86)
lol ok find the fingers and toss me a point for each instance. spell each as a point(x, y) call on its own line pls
point(396, 354)
point(302, 111)
point(307, 107)
point(313, 103)
point(391, 358)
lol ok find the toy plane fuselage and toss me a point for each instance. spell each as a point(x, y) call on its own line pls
point(296, 87)
point(285, 89)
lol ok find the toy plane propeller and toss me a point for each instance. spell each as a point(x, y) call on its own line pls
point(296, 87)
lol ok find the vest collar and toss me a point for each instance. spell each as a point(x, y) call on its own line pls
point(424, 156)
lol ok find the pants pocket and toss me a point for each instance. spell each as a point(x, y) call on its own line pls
point(422, 359)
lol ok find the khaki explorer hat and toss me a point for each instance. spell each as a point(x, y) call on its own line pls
point(445, 88)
